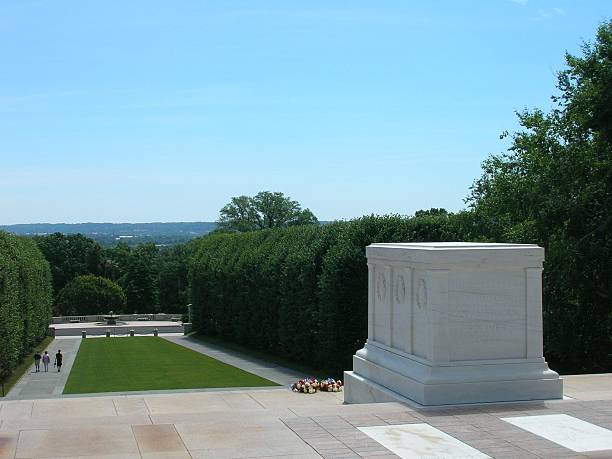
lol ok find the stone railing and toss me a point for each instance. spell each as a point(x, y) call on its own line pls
point(122, 317)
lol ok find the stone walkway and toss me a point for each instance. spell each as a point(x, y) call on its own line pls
point(277, 423)
point(51, 384)
point(281, 424)
point(276, 373)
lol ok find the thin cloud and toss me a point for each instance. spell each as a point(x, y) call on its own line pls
point(553, 12)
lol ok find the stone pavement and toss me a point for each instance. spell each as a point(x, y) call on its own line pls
point(40, 385)
point(276, 423)
point(276, 373)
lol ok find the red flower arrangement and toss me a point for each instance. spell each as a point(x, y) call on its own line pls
point(312, 385)
point(331, 385)
point(306, 386)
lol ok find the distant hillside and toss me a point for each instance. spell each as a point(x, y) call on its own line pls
point(111, 233)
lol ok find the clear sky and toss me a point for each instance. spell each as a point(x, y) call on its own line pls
point(156, 110)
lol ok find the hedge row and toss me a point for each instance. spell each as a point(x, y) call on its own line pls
point(301, 292)
point(25, 299)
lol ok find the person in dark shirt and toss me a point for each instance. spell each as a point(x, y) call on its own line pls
point(58, 360)
point(37, 358)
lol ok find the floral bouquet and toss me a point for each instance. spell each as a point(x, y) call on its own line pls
point(331, 385)
point(306, 386)
point(312, 385)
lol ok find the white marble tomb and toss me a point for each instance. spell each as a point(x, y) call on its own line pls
point(453, 323)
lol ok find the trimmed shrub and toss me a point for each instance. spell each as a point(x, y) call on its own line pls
point(25, 299)
point(89, 295)
point(300, 292)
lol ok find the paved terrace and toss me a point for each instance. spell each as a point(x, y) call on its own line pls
point(276, 423)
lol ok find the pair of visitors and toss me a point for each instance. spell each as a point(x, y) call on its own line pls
point(46, 359)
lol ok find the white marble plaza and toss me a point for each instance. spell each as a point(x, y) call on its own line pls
point(453, 323)
point(421, 441)
point(567, 431)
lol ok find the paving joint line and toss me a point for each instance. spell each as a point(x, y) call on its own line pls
point(257, 401)
point(135, 440)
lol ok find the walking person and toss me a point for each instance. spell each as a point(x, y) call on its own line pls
point(37, 358)
point(58, 360)
point(46, 358)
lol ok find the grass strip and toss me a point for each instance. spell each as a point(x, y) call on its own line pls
point(150, 363)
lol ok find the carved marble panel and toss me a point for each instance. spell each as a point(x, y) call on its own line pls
point(401, 323)
point(382, 304)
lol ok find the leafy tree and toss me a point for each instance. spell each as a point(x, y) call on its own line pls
point(115, 261)
point(69, 256)
point(434, 211)
point(264, 210)
point(554, 187)
point(140, 280)
point(88, 295)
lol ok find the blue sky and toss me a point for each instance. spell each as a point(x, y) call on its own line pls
point(162, 111)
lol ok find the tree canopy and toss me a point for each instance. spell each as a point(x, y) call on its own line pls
point(264, 210)
point(141, 279)
point(69, 256)
point(87, 295)
point(554, 187)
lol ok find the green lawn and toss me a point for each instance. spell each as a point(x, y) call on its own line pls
point(149, 363)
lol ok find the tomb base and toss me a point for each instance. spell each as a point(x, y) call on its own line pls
point(380, 375)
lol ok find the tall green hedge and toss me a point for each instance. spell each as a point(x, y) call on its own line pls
point(25, 299)
point(301, 292)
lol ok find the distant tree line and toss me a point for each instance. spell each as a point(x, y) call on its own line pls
point(109, 234)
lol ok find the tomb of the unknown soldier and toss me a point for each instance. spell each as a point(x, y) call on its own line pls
point(453, 323)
